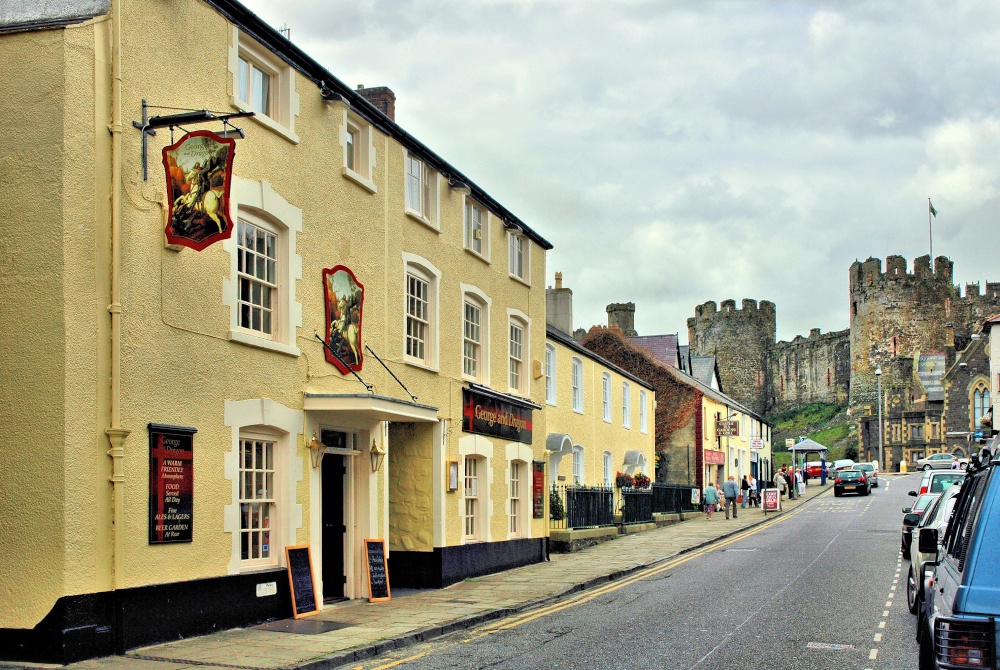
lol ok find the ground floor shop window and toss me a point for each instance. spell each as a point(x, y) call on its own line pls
point(515, 498)
point(472, 503)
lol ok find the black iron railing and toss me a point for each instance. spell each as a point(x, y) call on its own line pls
point(637, 506)
point(581, 506)
point(673, 499)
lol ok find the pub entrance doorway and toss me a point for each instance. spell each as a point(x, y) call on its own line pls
point(334, 529)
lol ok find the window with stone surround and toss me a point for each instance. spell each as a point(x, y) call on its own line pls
point(980, 404)
point(577, 385)
point(550, 374)
point(517, 469)
point(472, 529)
point(606, 396)
point(626, 405)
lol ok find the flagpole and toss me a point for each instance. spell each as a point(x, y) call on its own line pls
point(930, 230)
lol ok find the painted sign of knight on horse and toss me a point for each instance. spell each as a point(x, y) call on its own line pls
point(199, 169)
point(345, 298)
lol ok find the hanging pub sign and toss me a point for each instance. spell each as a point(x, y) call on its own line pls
point(344, 298)
point(171, 483)
point(487, 415)
point(199, 170)
point(727, 428)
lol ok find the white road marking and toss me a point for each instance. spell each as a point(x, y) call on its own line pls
point(878, 637)
point(888, 603)
point(873, 654)
point(893, 589)
point(881, 624)
point(885, 613)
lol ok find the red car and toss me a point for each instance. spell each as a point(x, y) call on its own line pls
point(814, 470)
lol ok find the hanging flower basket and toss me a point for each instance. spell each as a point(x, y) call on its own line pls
point(640, 481)
point(624, 481)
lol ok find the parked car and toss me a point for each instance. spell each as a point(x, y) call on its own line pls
point(935, 481)
point(871, 472)
point(842, 464)
point(851, 481)
point(942, 461)
point(815, 469)
point(957, 625)
point(935, 516)
point(912, 517)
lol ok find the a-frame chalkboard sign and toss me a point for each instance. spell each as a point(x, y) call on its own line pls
point(300, 578)
point(378, 574)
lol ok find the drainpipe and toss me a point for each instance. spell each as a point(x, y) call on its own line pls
point(116, 434)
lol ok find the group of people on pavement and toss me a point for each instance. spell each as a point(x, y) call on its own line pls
point(789, 481)
point(745, 494)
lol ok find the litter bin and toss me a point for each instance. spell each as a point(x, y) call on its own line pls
point(902, 466)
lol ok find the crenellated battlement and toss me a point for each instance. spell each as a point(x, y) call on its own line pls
point(815, 336)
point(709, 310)
point(870, 272)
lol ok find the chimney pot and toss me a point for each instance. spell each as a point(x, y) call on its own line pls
point(558, 280)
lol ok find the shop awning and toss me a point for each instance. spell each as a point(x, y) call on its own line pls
point(371, 407)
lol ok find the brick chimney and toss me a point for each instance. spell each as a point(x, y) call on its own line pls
point(382, 97)
point(559, 306)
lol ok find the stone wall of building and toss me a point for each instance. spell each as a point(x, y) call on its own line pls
point(741, 340)
point(814, 369)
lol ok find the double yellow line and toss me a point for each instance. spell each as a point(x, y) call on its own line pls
point(588, 595)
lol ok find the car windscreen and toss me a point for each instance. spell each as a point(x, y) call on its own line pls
point(850, 474)
point(941, 482)
point(866, 467)
point(922, 502)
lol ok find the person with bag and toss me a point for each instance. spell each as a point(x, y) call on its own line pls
point(711, 499)
point(744, 493)
point(754, 493)
point(779, 481)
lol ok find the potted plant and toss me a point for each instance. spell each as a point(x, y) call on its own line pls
point(624, 481)
point(640, 481)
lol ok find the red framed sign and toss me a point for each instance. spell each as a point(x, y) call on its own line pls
point(344, 299)
point(199, 169)
point(770, 500)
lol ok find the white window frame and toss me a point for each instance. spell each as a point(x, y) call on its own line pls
point(518, 319)
point(262, 418)
point(425, 271)
point(421, 190)
point(626, 405)
point(579, 471)
point(643, 427)
point(472, 498)
point(608, 476)
point(258, 294)
point(577, 381)
point(264, 479)
point(519, 256)
point(363, 153)
point(516, 500)
point(469, 239)
point(981, 403)
point(258, 203)
point(606, 396)
point(550, 374)
point(284, 107)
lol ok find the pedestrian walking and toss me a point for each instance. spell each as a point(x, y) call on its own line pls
point(789, 475)
point(745, 492)
point(731, 489)
point(711, 499)
point(754, 494)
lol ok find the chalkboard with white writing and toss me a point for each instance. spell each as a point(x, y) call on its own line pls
point(378, 575)
point(300, 578)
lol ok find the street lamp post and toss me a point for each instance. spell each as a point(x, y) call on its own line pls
point(881, 455)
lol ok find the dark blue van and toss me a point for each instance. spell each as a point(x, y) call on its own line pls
point(957, 626)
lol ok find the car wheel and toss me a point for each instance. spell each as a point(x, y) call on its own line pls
point(926, 467)
point(912, 592)
point(926, 658)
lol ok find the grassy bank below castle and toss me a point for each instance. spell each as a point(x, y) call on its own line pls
point(828, 425)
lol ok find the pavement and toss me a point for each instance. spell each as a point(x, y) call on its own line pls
point(357, 630)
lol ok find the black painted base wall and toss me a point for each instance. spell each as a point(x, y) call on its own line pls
point(102, 624)
point(447, 565)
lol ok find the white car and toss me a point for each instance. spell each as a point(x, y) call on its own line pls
point(943, 461)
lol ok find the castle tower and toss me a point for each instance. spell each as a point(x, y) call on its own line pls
point(895, 314)
point(622, 314)
point(741, 340)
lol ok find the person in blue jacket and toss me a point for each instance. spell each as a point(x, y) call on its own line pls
point(711, 499)
point(731, 490)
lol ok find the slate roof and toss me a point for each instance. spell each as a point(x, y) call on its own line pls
point(662, 347)
point(931, 370)
point(703, 369)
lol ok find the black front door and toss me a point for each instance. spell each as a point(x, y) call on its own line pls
point(333, 525)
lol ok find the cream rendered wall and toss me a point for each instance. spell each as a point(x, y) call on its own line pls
point(410, 500)
point(589, 429)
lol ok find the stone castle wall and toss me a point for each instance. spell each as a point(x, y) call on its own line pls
point(741, 340)
point(814, 369)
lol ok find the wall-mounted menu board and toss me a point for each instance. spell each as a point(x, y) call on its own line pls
point(378, 575)
point(300, 578)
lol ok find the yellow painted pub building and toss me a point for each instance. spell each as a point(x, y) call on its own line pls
point(246, 311)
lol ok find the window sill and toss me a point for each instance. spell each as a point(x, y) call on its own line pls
point(359, 179)
point(577, 411)
point(261, 343)
point(265, 121)
point(261, 568)
point(519, 280)
point(419, 364)
point(550, 403)
point(607, 421)
point(419, 218)
point(474, 380)
point(478, 256)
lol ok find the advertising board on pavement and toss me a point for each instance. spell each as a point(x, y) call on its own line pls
point(770, 500)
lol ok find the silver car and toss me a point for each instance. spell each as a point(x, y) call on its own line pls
point(942, 461)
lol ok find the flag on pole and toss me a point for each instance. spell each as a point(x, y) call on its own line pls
point(931, 208)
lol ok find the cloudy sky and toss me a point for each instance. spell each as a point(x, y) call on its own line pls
point(679, 151)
